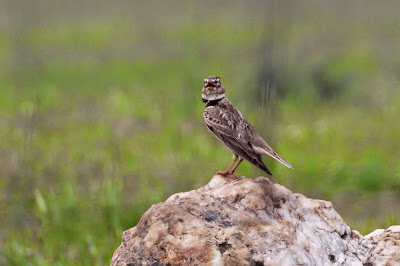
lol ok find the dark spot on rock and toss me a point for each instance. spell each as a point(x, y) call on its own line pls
point(180, 220)
point(256, 263)
point(223, 247)
point(238, 198)
point(332, 257)
point(368, 264)
point(189, 210)
point(344, 235)
point(277, 205)
point(165, 218)
point(157, 263)
point(143, 229)
point(225, 224)
point(211, 216)
point(140, 250)
point(301, 218)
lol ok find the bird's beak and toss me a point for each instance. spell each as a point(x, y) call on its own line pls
point(210, 84)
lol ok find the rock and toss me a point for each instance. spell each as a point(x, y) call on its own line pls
point(251, 222)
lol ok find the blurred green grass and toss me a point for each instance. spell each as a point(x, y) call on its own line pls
point(99, 122)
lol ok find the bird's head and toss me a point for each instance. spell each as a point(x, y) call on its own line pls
point(212, 89)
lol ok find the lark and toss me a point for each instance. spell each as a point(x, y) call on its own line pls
point(228, 124)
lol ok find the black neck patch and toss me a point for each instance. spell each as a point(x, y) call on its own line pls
point(212, 102)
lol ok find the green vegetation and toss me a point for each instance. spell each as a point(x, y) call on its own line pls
point(101, 120)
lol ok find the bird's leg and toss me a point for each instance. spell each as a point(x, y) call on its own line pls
point(235, 157)
point(234, 169)
point(227, 170)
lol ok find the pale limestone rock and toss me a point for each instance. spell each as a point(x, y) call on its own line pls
point(251, 222)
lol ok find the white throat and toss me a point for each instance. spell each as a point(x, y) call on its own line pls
point(212, 97)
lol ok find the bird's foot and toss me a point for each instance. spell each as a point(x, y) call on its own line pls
point(228, 174)
point(223, 173)
point(232, 175)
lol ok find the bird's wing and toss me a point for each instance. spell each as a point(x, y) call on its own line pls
point(246, 152)
point(224, 125)
point(261, 147)
point(223, 122)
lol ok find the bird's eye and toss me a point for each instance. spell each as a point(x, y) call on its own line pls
point(205, 81)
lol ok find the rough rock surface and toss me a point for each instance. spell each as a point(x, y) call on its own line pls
point(251, 222)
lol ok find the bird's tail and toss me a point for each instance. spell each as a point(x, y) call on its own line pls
point(260, 164)
point(267, 150)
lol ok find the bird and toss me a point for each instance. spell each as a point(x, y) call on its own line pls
point(228, 125)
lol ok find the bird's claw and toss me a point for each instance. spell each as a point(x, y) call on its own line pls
point(223, 173)
point(228, 174)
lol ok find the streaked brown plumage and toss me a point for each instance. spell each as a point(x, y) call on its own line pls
point(232, 128)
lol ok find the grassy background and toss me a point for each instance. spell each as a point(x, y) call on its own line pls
point(101, 116)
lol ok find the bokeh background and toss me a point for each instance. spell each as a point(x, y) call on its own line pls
point(101, 111)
